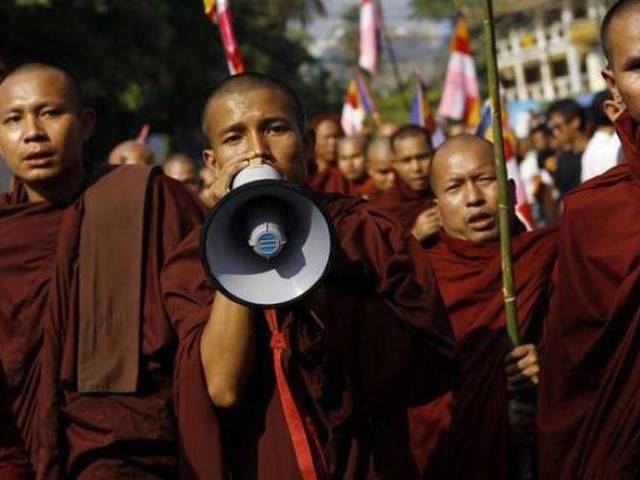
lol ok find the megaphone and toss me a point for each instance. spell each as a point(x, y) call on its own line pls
point(267, 243)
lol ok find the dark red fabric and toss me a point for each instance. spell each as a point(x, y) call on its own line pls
point(589, 408)
point(404, 204)
point(362, 189)
point(68, 434)
point(329, 180)
point(369, 340)
point(465, 434)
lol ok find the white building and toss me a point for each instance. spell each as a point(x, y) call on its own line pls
point(550, 48)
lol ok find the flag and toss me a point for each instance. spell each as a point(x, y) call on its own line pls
point(523, 209)
point(369, 29)
point(422, 114)
point(353, 112)
point(365, 97)
point(461, 93)
point(218, 11)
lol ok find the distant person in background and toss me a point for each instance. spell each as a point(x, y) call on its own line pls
point(131, 152)
point(567, 121)
point(180, 167)
point(379, 165)
point(410, 200)
point(538, 182)
point(603, 149)
point(352, 162)
point(325, 177)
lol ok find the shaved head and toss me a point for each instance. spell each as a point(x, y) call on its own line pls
point(180, 167)
point(71, 86)
point(245, 82)
point(620, 9)
point(463, 179)
point(131, 152)
point(352, 160)
point(379, 163)
point(464, 142)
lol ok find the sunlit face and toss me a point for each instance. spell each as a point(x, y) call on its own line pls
point(42, 128)
point(327, 135)
point(623, 75)
point(412, 160)
point(352, 159)
point(466, 191)
point(256, 124)
point(380, 170)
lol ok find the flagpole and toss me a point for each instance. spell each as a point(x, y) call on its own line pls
point(524, 460)
point(392, 55)
point(501, 171)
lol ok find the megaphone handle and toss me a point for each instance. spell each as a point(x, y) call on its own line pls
point(292, 414)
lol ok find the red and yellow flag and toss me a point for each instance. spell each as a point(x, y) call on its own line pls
point(218, 11)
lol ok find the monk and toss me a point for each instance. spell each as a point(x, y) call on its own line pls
point(352, 163)
point(86, 346)
point(285, 393)
point(379, 158)
point(324, 175)
point(469, 432)
point(131, 152)
point(180, 167)
point(589, 402)
point(410, 200)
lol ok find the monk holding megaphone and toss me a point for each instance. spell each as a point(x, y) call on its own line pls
point(304, 326)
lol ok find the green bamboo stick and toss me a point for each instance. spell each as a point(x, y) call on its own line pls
point(504, 213)
point(524, 455)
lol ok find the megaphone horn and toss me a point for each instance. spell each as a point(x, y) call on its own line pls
point(267, 243)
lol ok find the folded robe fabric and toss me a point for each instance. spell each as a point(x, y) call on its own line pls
point(589, 408)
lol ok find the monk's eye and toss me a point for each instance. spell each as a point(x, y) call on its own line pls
point(11, 119)
point(51, 112)
point(232, 139)
point(486, 180)
point(278, 128)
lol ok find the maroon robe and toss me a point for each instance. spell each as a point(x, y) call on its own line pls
point(589, 403)
point(70, 434)
point(361, 188)
point(465, 434)
point(404, 204)
point(351, 357)
point(329, 180)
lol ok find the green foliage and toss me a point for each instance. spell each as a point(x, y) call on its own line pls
point(442, 8)
point(155, 61)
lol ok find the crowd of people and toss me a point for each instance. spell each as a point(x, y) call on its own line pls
point(120, 359)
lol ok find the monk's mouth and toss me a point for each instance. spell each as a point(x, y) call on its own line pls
point(480, 221)
point(39, 158)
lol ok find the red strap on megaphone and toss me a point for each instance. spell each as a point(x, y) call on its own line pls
point(292, 414)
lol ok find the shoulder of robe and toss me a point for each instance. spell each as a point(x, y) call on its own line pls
point(603, 195)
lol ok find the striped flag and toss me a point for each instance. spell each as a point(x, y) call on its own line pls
point(523, 210)
point(369, 29)
point(353, 111)
point(422, 114)
point(218, 11)
point(461, 95)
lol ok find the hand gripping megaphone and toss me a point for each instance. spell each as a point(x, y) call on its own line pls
point(266, 243)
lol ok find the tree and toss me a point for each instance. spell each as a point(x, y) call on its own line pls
point(154, 61)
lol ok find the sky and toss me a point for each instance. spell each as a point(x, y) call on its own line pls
point(395, 12)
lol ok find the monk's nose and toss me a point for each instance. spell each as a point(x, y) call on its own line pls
point(33, 129)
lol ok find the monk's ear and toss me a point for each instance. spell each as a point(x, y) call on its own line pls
point(88, 118)
point(613, 109)
point(610, 80)
point(209, 160)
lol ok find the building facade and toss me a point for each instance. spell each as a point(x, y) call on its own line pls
point(549, 49)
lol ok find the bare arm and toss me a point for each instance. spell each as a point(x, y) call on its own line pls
point(227, 349)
